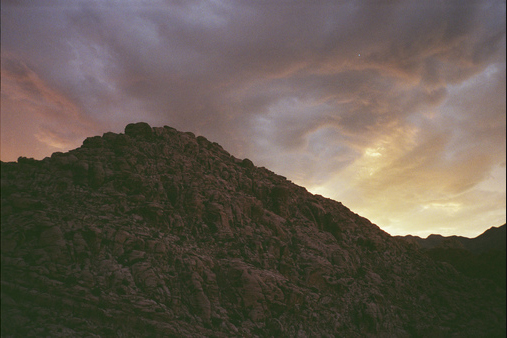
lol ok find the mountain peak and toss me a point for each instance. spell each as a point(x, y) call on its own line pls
point(159, 232)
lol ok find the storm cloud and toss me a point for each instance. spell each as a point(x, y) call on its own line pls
point(395, 108)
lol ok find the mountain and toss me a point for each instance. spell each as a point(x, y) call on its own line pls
point(156, 232)
point(492, 239)
point(481, 257)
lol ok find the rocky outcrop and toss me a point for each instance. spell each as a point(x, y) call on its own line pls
point(156, 232)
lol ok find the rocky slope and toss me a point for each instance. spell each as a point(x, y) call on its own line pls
point(156, 232)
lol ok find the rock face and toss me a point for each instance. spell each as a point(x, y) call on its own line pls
point(156, 232)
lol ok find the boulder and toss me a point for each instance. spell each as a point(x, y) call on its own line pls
point(140, 129)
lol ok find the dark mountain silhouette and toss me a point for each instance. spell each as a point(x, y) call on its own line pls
point(492, 239)
point(156, 232)
point(481, 257)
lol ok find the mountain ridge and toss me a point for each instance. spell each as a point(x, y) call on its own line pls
point(481, 257)
point(492, 238)
point(161, 233)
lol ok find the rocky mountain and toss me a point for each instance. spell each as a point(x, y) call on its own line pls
point(492, 239)
point(481, 257)
point(159, 233)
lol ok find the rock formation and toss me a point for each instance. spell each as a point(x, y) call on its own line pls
point(159, 233)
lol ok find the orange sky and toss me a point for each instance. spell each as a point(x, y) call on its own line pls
point(396, 109)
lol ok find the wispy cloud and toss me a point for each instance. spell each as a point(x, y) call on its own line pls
point(37, 119)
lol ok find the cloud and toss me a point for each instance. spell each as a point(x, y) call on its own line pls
point(372, 102)
point(36, 119)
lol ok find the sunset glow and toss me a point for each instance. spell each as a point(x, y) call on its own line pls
point(397, 110)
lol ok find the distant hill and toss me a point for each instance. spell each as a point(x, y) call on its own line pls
point(481, 257)
point(492, 239)
point(159, 233)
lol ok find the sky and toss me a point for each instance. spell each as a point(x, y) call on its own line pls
point(394, 108)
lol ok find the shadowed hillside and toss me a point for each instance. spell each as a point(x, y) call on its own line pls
point(156, 232)
point(479, 257)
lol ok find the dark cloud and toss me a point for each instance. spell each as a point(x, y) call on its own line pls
point(329, 85)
